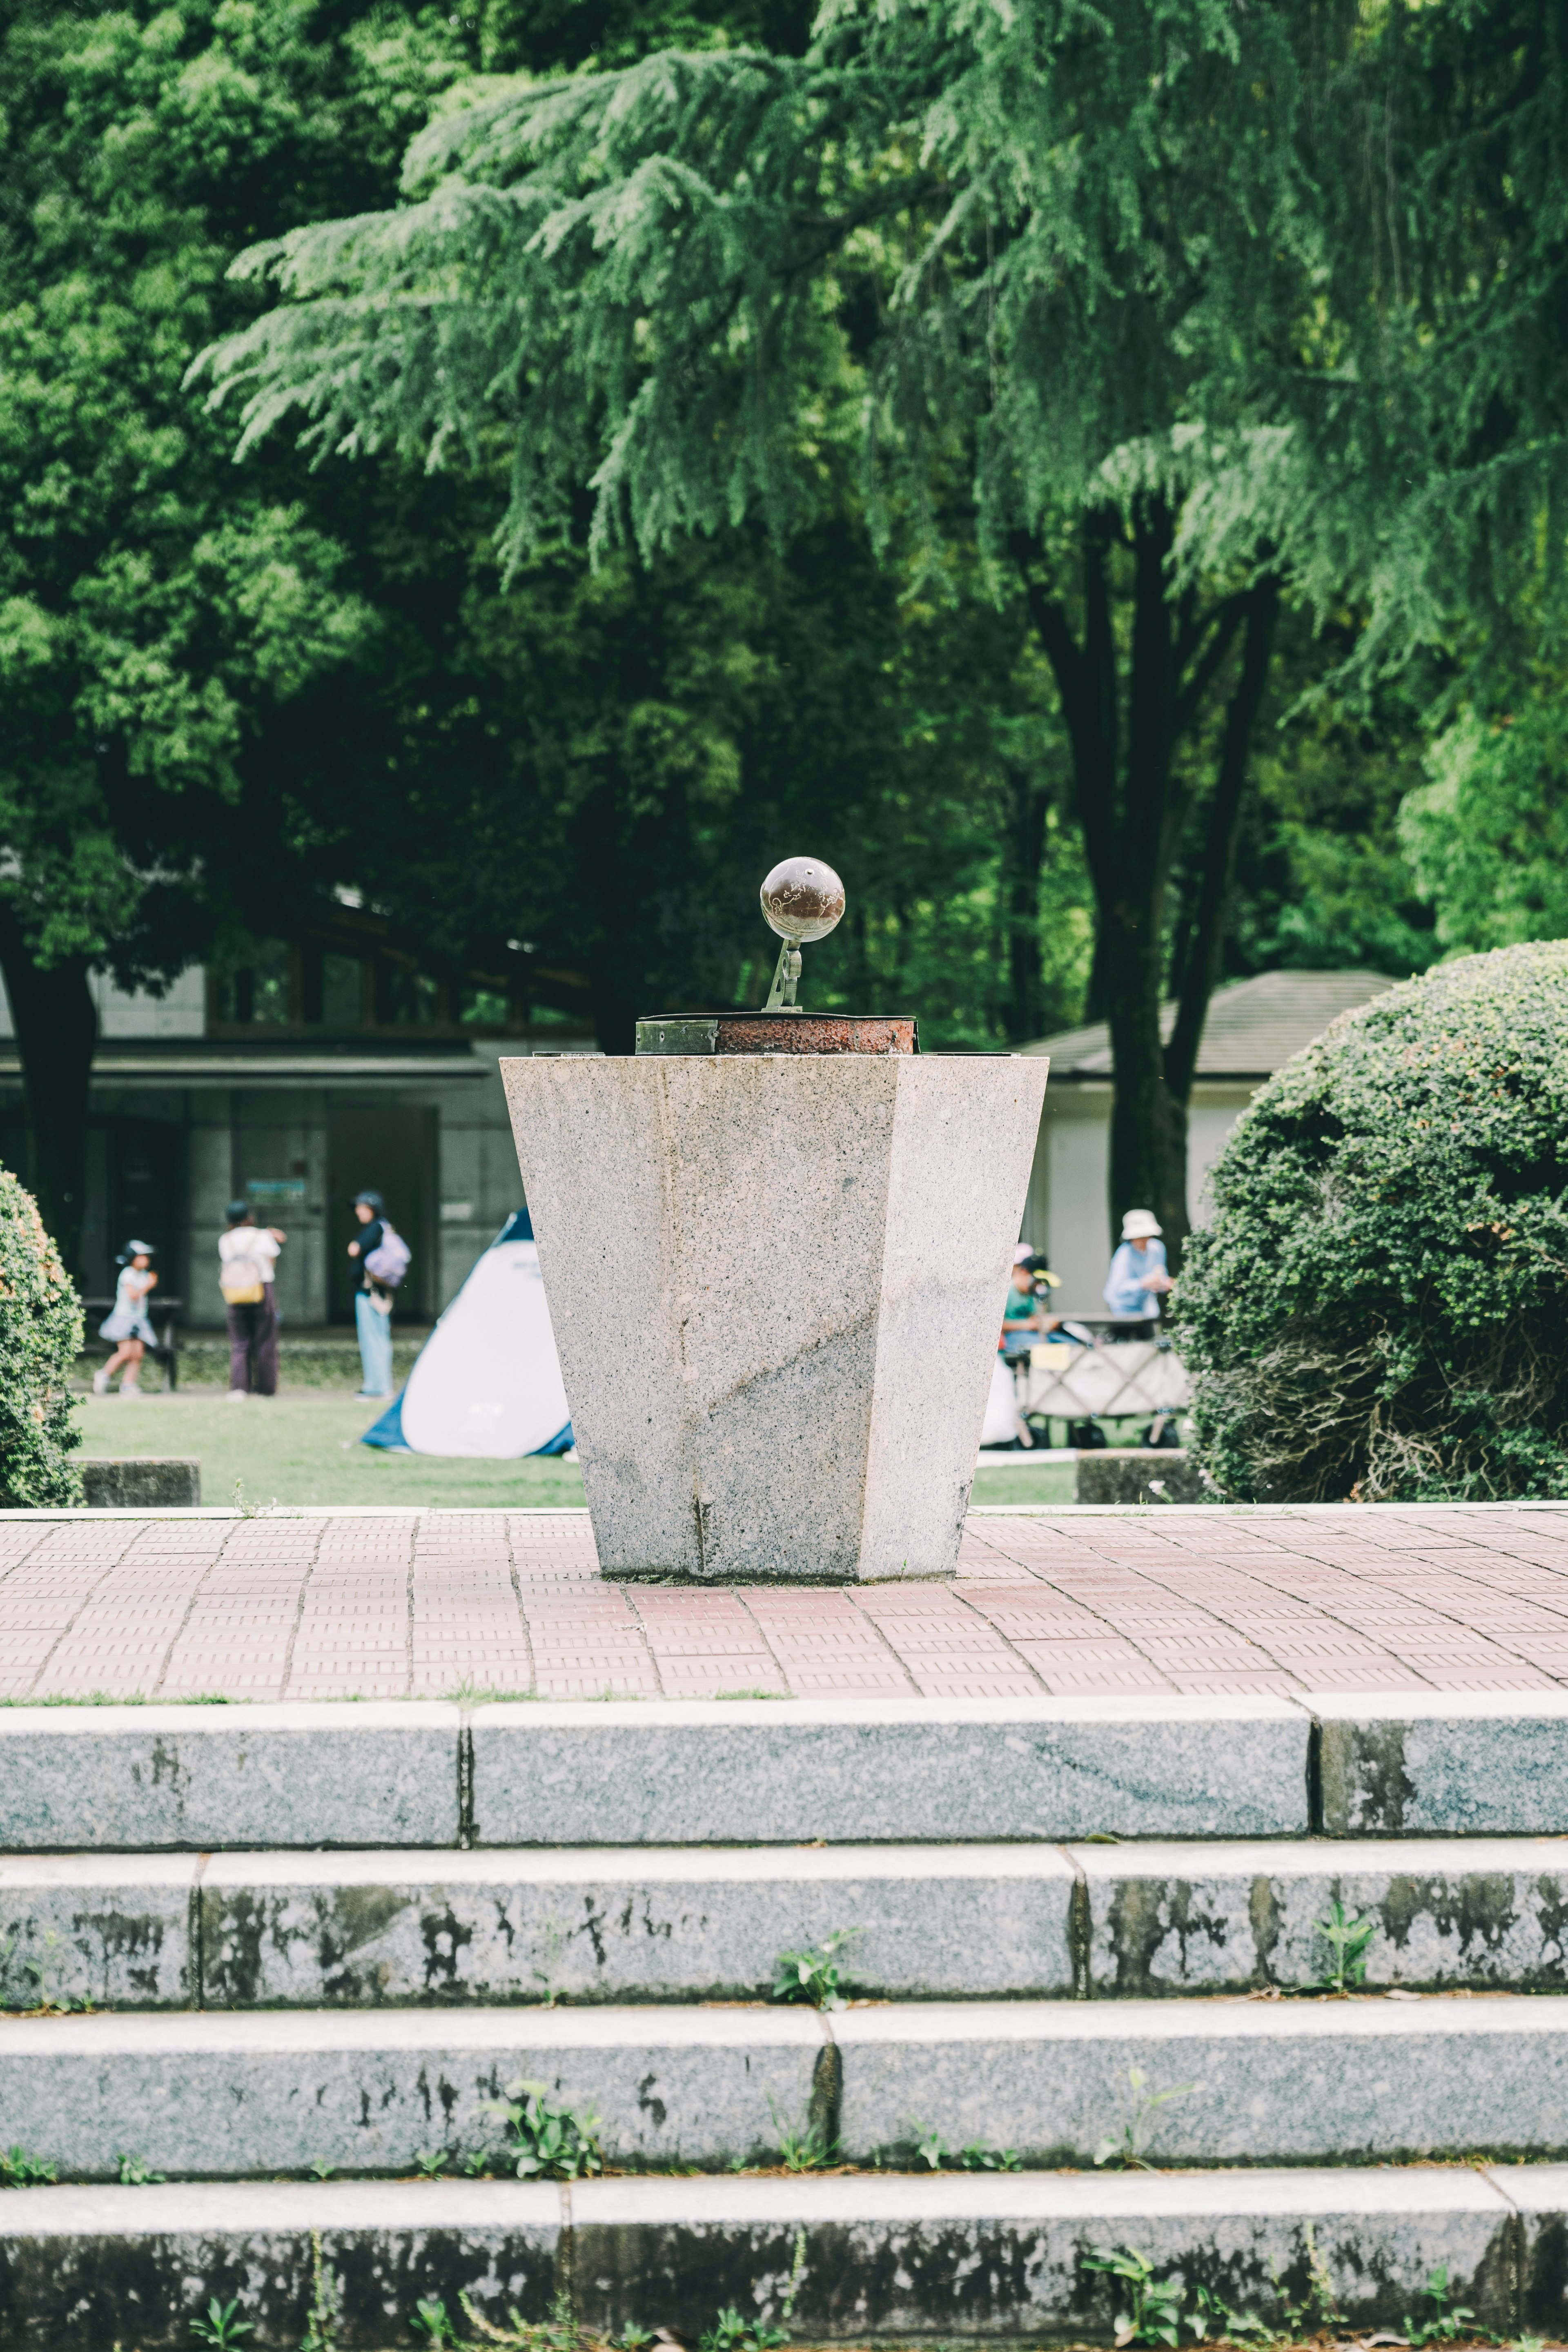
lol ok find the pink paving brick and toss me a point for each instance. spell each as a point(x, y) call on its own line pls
point(1338, 1600)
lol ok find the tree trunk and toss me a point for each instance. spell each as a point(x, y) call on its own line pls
point(1029, 801)
point(615, 1012)
point(1133, 808)
point(56, 1031)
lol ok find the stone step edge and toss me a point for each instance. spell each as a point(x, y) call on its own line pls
point(265, 2093)
point(435, 1772)
point(855, 2257)
point(1415, 1512)
point(156, 1933)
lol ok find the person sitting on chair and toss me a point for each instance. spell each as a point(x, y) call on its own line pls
point(1023, 1319)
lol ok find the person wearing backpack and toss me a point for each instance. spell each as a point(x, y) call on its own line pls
point(382, 1258)
point(247, 1270)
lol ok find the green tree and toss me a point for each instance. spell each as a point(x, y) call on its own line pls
point(1127, 274)
point(1026, 247)
point(157, 610)
point(593, 768)
point(1488, 834)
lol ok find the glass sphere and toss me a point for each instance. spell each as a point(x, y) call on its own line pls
point(802, 898)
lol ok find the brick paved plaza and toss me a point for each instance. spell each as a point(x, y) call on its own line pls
point(1072, 1602)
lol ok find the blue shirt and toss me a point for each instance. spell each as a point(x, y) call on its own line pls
point(1124, 1291)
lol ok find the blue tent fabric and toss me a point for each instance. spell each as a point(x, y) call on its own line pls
point(558, 1444)
point(387, 1433)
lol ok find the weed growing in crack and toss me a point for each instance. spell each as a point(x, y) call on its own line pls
point(932, 2150)
point(814, 1977)
point(559, 2333)
point(1347, 1938)
point(1445, 2323)
point(549, 1976)
point(220, 2327)
point(20, 2171)
point(548, 2142)
point(1152, 2312)
point(322, 2321)
point(1140, 2113)
point(430, 2163)
point(731, 2332)
point(1155, 2310)
point(134, 2173)
point(808, 2148)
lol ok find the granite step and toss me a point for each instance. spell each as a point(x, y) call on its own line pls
point(1363, 2079)
point(378, 1929)
point(640, 1772)
point(424, 1774)
point(857, 2259)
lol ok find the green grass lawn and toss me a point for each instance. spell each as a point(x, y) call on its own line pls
point(1053, 1483)
point(305, 1449)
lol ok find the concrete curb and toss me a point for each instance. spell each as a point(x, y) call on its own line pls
point(861, 2259)
point(378, 1930)
point(234, 2096)
point(247, 2094)
point(1420, 1761)
point(666, 1772)
point(422, 1772)
point(134, 1779)
point(1418, 1512)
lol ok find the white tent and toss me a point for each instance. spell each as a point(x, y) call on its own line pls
point(487, 1380)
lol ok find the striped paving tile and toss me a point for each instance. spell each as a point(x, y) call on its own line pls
point(1061, 1602)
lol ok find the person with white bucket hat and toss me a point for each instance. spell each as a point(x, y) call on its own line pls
point(1137, 1276)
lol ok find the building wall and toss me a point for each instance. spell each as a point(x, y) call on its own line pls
point(269, 1140)
point(134, 1013)
point(1068, 1214)
point(247, 1137)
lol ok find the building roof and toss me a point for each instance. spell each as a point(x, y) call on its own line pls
point(1254, 1027)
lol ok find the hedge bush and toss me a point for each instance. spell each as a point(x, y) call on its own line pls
point(40, 1333)
point(1379, 1307)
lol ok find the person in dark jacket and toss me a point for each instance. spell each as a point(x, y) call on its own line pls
point(372, 1300)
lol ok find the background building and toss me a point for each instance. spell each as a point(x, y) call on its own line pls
point(1253, 1028)
point(330, 1066)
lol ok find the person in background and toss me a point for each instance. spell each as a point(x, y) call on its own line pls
point(372, 1300)
point(1023, 1319)
point(127, 1321)
point(248, 1268)
point(1138, 1279)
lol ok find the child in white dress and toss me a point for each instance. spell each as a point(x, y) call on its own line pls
point(128, 1322)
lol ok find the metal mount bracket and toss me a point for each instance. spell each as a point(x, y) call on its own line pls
point(786, 977)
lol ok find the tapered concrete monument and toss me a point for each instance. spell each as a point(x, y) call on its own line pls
point(776, 1248)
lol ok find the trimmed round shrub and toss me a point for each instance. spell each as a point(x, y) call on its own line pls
point(1378, 1309)
point(40, 1336)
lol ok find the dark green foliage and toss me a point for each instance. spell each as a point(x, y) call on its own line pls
point(157, 610)
point(1379, 1306)
point(40, 1333)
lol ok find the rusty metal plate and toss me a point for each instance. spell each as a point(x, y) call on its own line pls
point(779, 1033)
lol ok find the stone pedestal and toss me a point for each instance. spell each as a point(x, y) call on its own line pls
point(776, 1283)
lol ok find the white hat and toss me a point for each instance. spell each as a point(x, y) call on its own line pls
point(1138, 1225)
point(1023, 1254)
